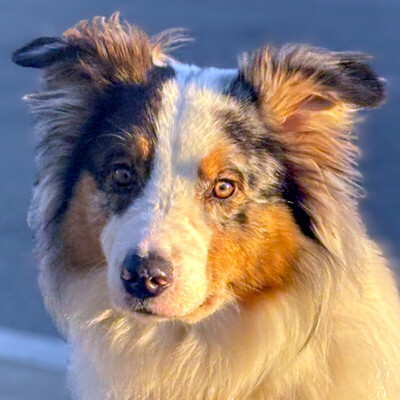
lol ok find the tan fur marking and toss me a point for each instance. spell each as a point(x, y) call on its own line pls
point(255, 257)
point(82, 227)
point(258, 257)
point(219, 162)
point(214, 163)
point(144, 145)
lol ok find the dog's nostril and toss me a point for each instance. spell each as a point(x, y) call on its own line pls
point(126, 275)
point(146, 276)
point(160, 280)
point(156, 283)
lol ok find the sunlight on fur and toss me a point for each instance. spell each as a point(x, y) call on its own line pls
point(197, 229)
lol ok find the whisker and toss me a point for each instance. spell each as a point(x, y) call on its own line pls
point(114, 135)
point(118, 128)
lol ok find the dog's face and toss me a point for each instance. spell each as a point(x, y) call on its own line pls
point(195, 187)
point(190, 201)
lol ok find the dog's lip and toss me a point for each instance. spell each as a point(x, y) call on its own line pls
point(146, 312)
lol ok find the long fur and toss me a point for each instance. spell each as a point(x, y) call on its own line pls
point(333, 333)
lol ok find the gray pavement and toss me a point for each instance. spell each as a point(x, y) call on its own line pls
point(223, 29)
point(20, 382)
point(32, 366)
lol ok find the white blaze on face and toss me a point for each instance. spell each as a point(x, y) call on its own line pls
point(167, 218)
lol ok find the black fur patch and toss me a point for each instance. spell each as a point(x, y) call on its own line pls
point(252, 180)
point(249, 134)
point(241, 90)
point(44, 52)
point(241, 218)
point(108, 138)
point(294, 198)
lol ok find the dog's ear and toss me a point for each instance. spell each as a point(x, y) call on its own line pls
point(308, 96)
point(294, 83)
point(100, 51)
point(44, 52)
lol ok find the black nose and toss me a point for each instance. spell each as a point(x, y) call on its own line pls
point(145, 277)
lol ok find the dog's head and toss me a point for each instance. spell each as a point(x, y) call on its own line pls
point(194, 186)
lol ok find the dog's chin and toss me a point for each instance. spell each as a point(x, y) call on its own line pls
point(151, 311)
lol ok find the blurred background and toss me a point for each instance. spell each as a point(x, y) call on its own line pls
point(32, 357)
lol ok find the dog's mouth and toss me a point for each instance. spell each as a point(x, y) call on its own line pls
point(146, 314)
point(147, 311)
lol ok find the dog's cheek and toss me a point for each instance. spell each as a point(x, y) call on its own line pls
point(82, 227)
point(256, 256)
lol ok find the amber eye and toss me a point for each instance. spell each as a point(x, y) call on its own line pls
point(122, 176)
point(224, 189)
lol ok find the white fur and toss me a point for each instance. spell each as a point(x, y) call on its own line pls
point(168, 219)
point(257, 353)
point(333, 335)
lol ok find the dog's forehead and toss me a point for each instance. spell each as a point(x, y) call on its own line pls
point(188, 124)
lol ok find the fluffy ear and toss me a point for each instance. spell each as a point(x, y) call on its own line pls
point(298, 81)
point(308, 96)
point(100, 51)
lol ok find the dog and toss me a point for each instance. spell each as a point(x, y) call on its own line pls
point(197, 229)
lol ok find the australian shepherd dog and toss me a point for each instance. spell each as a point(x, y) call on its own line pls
point(197, 229)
